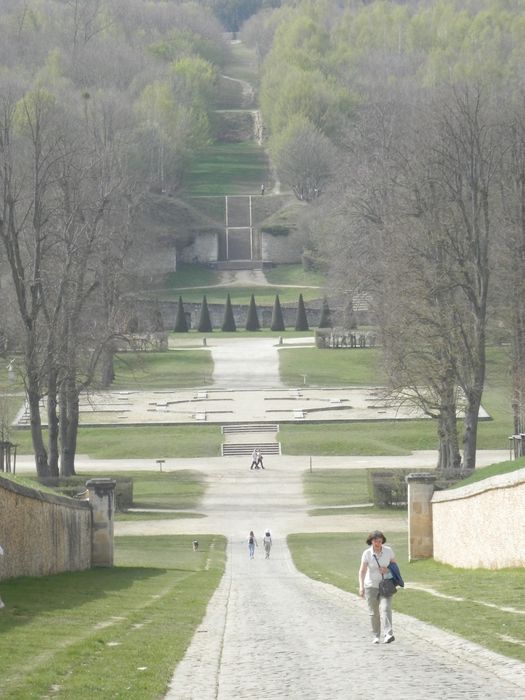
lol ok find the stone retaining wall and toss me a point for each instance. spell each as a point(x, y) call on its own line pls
point(42, 533)
point(481, 525)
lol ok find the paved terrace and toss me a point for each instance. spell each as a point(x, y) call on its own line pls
point(245, 388)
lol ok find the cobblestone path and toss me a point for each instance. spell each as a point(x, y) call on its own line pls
point(271, 632)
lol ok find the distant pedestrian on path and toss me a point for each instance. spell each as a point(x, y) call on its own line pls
point(252, 544)
point(262, 188)
point(259, 459)
point(267, 542)
point(255, 459)
point(374, 567)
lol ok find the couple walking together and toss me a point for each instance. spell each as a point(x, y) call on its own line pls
point(267, 542)
point(257, 459)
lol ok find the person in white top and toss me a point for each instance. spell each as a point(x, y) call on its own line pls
point(374, 567)
point(267, 541)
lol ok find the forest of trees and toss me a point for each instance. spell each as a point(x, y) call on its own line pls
point(419, 197)
point(100, 103)
point(401, 123)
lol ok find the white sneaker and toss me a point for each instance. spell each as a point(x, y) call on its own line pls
point(375, 640)
point(389, 638)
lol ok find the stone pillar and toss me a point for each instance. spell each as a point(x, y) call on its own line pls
point(420, 539)
point(102, 501)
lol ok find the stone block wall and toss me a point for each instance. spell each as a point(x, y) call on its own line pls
point(42, 533)
point(481, 525)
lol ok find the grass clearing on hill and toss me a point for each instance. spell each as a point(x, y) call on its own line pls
point(243, 63)
point(490, 596)
point(229, 169)
point(116, 632)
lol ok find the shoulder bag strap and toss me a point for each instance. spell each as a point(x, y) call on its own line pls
point(379, 565)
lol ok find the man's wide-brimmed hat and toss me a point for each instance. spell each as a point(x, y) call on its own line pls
point(373, 535)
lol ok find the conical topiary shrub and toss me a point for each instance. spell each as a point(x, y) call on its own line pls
point(204, 319)
point(326, 318)
point(181, 324)
point(301, 322)
point(252, 322)
point(228, 323)
point(277, 316)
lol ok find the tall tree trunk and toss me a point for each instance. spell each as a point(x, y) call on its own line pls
point(52, 421)
point(449, 456)
point(41, 461)
point(470, 437)
point(107, 369)
point(33, 399)
point(68, 427)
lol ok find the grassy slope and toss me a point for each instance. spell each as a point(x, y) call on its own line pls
point(335, 557)
point(228, 168)
point(134, 620)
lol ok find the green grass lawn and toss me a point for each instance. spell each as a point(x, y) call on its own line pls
point(192, 276)
point(116, 632)
point(356, 367)
point(173, 369)
point(229, 169)
point(358, 438)
point(264, 295)
point(140, 442)
point(334, 558)
point(296, 275)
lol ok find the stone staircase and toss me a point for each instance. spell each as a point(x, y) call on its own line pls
point(243, 438)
